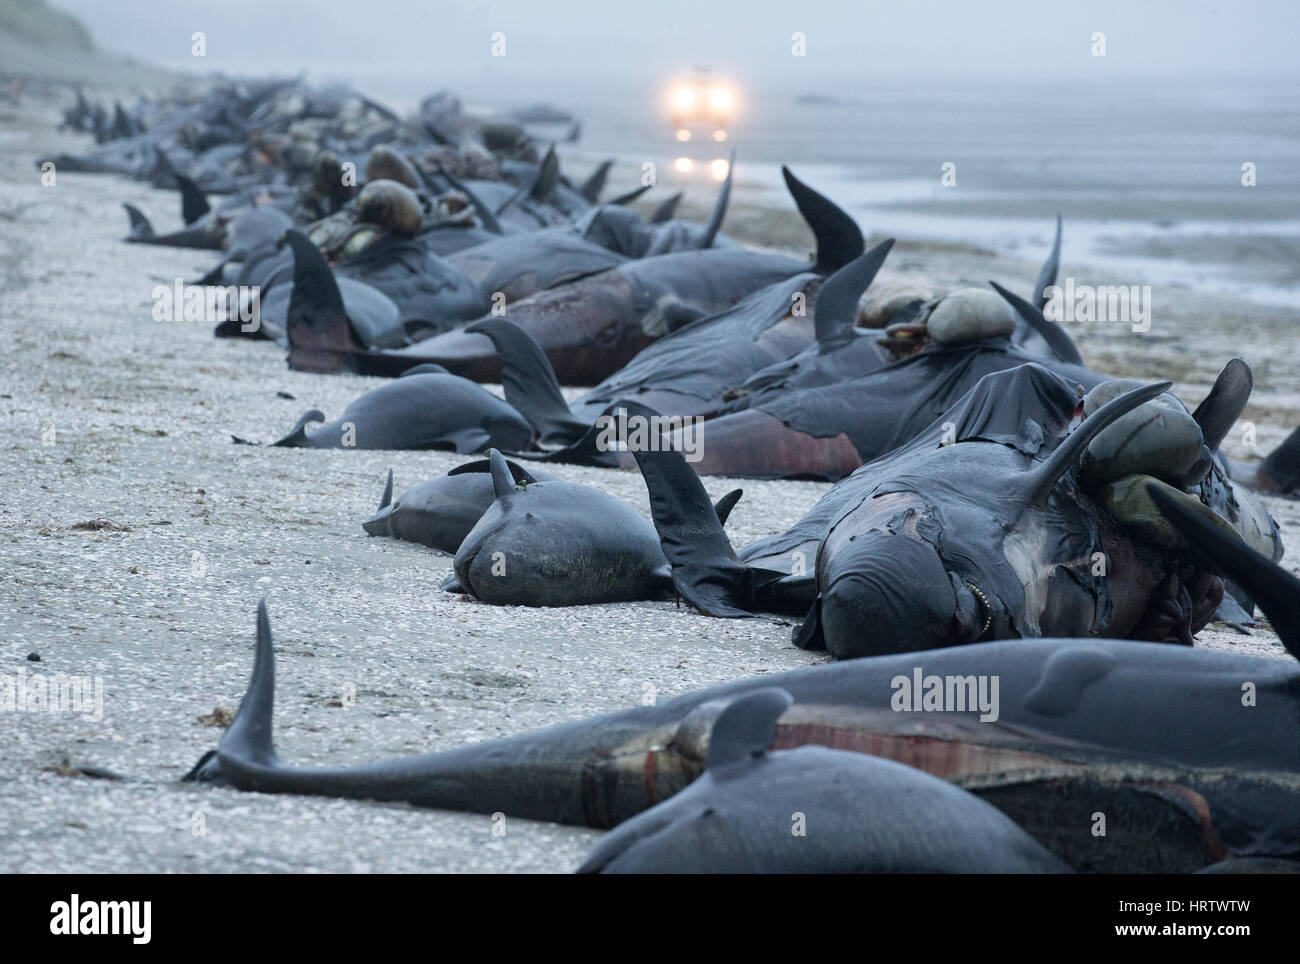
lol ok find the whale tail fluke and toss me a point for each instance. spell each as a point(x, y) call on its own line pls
point(377, 524)
point(249, 736)
point(297, 437)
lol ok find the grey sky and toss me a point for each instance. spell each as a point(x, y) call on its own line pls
point(1001, 38)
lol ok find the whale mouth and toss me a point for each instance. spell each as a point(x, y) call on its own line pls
point(903, 339)
point(377, 524)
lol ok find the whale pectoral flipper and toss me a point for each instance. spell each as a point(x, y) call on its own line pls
point(530, 384)
point(705, 568)
point(1273, 589)
point(503, 480)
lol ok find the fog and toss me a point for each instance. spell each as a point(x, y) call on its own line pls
point(578, 47)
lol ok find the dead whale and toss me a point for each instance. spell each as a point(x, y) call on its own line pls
point(593, 326)
point(1192, 755)
point(425, 409)
point(813, 810)
point(557, 543)
point(980, 528)
point(440, 512)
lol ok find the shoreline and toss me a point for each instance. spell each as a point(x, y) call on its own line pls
point(142, 412)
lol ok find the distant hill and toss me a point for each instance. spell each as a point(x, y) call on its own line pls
point(41, 42)
point(36, 20)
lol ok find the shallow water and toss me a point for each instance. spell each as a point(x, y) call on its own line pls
point(1149, 179)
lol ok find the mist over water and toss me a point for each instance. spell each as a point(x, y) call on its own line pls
point(1140, 150)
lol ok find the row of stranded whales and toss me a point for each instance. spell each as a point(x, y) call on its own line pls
point(1009, 538)
point(1189, 758)
point(428, 407)
point(382, 242)
point(1065, 542)
point(592, 326)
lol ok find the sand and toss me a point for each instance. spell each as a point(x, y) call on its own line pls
point(136, 540)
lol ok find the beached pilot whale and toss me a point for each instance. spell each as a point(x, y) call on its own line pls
point(440, 512)
point(1004, 518)
point(427, 408)
point(1193, 755)
point(813, 810)
point(593, 326)
point(557, 543)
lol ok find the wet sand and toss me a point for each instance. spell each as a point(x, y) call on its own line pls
point(141, 414)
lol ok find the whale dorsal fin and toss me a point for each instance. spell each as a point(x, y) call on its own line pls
point(1047, 276)
point(837, 301)
point(747, 727)
point(719, 206)
point(503, 482)
point(193, 204)
point(666, 209)
point(1220, 409)
point(594, 184)
point(839, 240)
point(722, 508)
